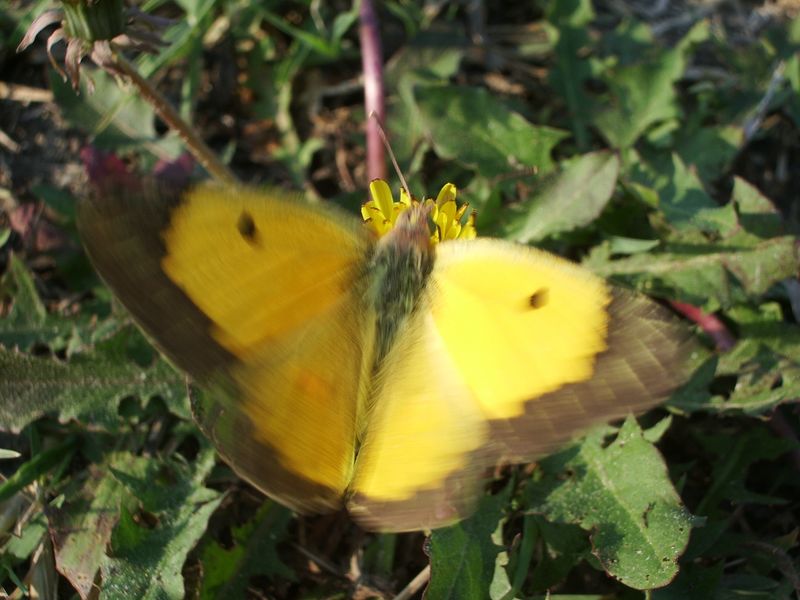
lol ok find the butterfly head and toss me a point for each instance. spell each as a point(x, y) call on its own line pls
point(443, 218)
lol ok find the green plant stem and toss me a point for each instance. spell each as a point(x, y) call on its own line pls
point(204, 155)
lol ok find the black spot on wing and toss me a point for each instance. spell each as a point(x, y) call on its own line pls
point(247, 227)
point(539, 298)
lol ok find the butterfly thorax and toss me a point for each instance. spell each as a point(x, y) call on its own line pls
point(402, 262)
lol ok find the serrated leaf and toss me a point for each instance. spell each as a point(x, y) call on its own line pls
point(88, 387)
point(112, 114)
point(464, 556)
point(709, 150)
point(623, 495)
point(757, 214)
point(571, 70)
point(571, 199)
point(643, 94)
point(81, 529)
point(28, 322)
point(146, 563)
point(686, 204)
point(482, 132)
point(702, 275)
point(227, 571)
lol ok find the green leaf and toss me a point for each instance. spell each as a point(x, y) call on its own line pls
point(573, 198)
point(710, 276)
point(643, 94)
point(28, 322)
point(227, 571)
point(572, 70)
point(82, 528)
point(36, 467)
point(146, 561)
point(88, 387)
point(20, 547)
point(687, 206)
point(709, 150)
point(464, 556)
point(757, 214)
point(765, 363)
point(734, 457)
point(112, 114)
point(623, 495)
point(482, 132)
point(28, 310)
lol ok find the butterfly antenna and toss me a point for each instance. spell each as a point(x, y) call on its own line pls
point(388, 147)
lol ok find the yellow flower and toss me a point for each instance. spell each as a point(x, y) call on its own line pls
point(447, 216)
point(381, 212)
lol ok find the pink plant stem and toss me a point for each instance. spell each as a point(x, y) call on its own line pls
point(710, 324)
point(372, 64)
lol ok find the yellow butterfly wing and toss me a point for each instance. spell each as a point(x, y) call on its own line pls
point(512, 351)
point(260, 298)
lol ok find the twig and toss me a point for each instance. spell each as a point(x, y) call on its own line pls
point(415, 584)
point(7, 142)
point(204, 155)
point(24, 93)
point(372, 64)
point(709, 323)
point(753, 123)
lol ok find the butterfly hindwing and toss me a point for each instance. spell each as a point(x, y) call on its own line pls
point(511, 352)
point(418, 465)
point(260, 299)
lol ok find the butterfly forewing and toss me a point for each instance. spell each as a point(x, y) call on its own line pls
point(258, 297)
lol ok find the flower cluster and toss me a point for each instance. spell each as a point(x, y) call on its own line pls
point(381, 212)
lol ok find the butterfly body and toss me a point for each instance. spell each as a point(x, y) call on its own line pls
point(335, 369)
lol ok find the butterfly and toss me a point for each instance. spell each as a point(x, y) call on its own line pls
point(336, 367)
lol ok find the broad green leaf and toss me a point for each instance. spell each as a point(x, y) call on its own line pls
point(482, 132)
point(254, 552)
point(622, 494)
point(709, 150)
point(710, 276)
point(81, 529)
point(570, 199)
point(643, 94)
point(430, 58)
point(757, 214)
point(88, 387)
point(687, 206)
point(146, 561)
point(115, 117)
point(572, 69)
point(464, 556)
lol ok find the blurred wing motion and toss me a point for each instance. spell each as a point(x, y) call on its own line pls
point(510, 353)
point(260, 299)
